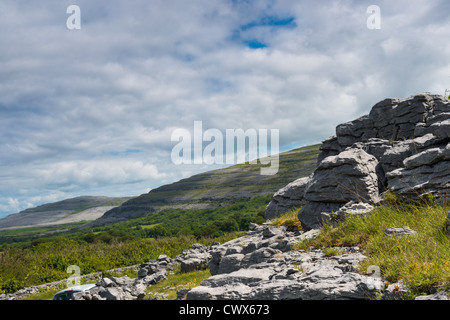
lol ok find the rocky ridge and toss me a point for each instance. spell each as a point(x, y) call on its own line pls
point(401, 146)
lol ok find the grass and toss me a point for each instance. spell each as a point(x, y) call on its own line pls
point(289, 220)
point(176, 281)
point(421, 261)
point(47, 261)
point(45, 294)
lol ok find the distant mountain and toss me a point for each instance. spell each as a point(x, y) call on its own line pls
point(206, 190)
point(217, 187)
point(84, 208)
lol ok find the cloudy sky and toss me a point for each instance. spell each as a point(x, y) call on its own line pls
point(91, 111)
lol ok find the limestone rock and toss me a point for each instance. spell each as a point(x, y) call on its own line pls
point(315, 214)
point(196, 258)
point(257, 267)
point(399, 231)
point(441, 295)
point(353, 208)
point(291, 196)
point(401, 145)
point(349, 176)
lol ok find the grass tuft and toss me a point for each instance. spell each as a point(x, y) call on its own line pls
point(289, 220)
point(176, 281)
point(421, 261)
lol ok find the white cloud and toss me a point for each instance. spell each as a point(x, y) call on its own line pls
point(92, 110)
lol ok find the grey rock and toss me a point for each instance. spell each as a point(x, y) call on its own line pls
point(153, 266)
point(402, 145)
point(314, 214)
point(196, 258)
point(154, 278)
point(194, 264)
point(420, 181)
point(441, 295)
point(350, 132)
point(350, 175)
point(428, 157)
point(181, 293)
point(121, 288)
point(122, 281)
point(395, 291)
point(112, 293)
point(270, 232)
point(329, 147)
point(399, 231)
point(259, 256)
point(320, 279)
point(353, 208)
point(230, 263)
point(397, 151)
point(216, 256)
point(309, 235)
point(266, 273)
point(289, 197)
point(106, 282)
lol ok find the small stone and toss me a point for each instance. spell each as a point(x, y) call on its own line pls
point(399, 231)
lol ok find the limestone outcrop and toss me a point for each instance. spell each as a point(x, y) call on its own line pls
point(402, 146)
point(288, 197)
point(262, 266)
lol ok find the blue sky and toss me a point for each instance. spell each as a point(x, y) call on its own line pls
point(91, 111)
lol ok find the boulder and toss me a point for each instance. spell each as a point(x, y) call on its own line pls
point(196, 258)
point(314, 214)
point(441, 295)
point(401, 145)
point(349, 176)
point(287, 198)
point(120, 288)
point(353, 208)
point(423, 173)
point(399, 231)
point(163, 263)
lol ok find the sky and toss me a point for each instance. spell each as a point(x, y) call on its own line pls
point(91, 110)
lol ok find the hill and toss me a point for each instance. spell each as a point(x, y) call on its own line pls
point(84, 208)
point(217, 187)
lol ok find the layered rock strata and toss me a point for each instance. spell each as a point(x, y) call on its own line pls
point(402, 146)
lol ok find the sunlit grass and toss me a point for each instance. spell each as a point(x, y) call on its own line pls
point(421, 261)
point(178, 280)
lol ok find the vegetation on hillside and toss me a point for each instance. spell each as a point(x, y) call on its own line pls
point(421, 261)
point(43, 260)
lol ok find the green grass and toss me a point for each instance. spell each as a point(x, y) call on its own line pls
point(176, 281)
point(288, 219)
point(39, 230)
point(214, 222)
point(47, 261)
point(45, 294)
point(421, 261)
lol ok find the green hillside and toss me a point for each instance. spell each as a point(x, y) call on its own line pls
point(218, 187)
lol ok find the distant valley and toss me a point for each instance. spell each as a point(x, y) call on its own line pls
point(83, 208)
